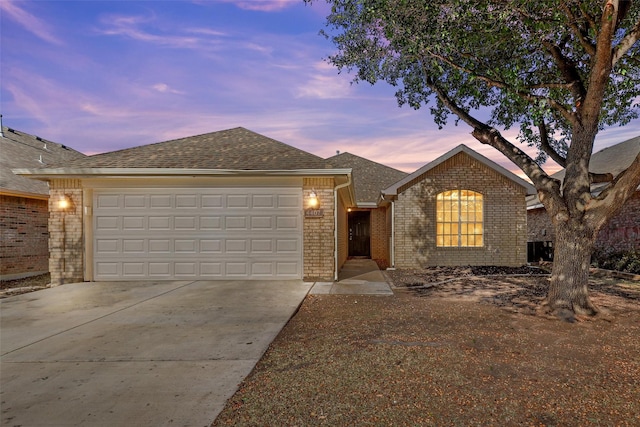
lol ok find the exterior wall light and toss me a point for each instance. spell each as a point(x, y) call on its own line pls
point(314, 203)
point(65, 203)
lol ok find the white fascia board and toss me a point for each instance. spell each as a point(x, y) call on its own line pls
point(145, 172)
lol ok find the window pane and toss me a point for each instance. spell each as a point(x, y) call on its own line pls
point(459, 218)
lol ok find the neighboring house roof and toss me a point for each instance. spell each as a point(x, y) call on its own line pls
point(22, 150)
point(232, 149)
point(368, 177)
point(612, 160)
point(393, 189)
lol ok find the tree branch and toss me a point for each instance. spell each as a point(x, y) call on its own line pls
point(626, 43)
point(546, 146)
point(490, 136)
point(580, 33)
point(568, 70)
point(527, 96)
point(601, 69)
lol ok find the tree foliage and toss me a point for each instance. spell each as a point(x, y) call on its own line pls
point(529, 62)
point(560, 70)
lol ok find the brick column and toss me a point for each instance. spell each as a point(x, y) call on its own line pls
point(66, 255)
point(319, 239)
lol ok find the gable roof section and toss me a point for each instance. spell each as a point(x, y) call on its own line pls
point(393, 189)
point(232, 149)
point(22, 150)
point(368, 177)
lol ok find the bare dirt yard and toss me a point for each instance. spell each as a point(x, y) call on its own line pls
point(452, 347)
point(25, 285)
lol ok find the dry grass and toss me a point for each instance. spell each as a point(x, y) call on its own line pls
point(451, 356)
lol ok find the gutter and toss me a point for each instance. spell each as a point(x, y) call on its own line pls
point(48, 173)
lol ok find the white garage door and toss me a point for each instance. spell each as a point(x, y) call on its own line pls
point(204, 233)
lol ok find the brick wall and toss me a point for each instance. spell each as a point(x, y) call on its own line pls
point(343, 233)
point(505, 231)
point(319, 238)
point(622, 233)
point(24, 249)
point(66, 260)
point(379, 239)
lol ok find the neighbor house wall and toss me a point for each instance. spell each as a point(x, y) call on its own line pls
point(24, 236)
point(318, 232)
point(66, 260)
point(621, 233)
point(505, 231)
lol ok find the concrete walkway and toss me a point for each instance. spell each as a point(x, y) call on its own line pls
point(357, 277)
point(135, 354)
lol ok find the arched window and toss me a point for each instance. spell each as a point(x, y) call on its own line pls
point(459, 219)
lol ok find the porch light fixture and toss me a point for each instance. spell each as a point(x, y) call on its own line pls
point(314, 203)
point(65, 203)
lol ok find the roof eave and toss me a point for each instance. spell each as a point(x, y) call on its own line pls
point(25, 194)
point(51, 173)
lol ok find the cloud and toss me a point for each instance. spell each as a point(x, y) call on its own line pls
point(263, 5)
point(30, 22)
point(324, 84)
point(129, 26)
point(164, 88)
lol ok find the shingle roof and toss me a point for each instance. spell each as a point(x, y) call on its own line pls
point(368, 177)
point(237, 149)
point(612, 159)
point(22, 150)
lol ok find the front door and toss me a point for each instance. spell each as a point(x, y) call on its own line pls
point(359, 234)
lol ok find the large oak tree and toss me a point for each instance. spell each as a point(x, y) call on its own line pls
point(560, 70)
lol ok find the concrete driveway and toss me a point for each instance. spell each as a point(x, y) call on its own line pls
point(143, 354)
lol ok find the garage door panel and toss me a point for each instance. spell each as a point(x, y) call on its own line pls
point(211, 233)
point(160, 269)
point(108, 223)
point(186, 201)
point(263, 201)
point(210, 223)
point(185, 223)
point(238, 201)
point(134, 246)
point(287, 223)
point(159, 223)
point(160, 201)
point(289, 201)
point(236, 223)
point(132, 201)
point(133, 223)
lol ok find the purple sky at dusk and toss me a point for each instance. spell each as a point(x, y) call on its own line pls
point(105, 75)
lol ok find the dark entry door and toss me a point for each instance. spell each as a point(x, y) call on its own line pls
point(359, 234)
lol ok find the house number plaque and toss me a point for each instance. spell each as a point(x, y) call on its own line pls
point(314, 213)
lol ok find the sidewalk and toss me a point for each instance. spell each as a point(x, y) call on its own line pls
point(357, 277)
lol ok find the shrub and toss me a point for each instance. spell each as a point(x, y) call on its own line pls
point(627, 261)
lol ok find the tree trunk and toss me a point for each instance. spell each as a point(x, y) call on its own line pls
point(568, 293)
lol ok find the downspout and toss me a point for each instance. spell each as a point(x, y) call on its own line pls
point(335, 225)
